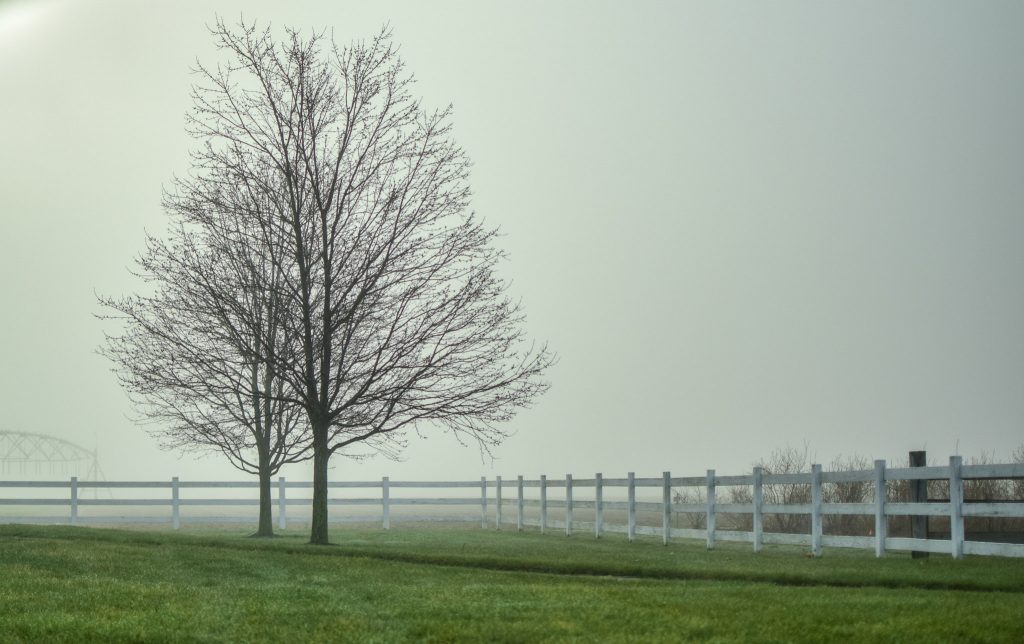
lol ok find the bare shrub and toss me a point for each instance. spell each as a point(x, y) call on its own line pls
point(975, 490)
point(898, 491)
point(848, 492)
point(693, 520)
point(1018, 485)
point(987, 490)
point(743, 494)
point(788, 460)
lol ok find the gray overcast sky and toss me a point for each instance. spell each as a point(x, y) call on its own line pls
point(742, 225)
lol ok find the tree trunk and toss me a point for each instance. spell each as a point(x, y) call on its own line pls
point(318, 531)
point(266, 528)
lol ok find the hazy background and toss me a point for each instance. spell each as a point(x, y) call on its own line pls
point(741, 225)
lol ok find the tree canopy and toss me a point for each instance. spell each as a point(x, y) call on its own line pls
point(346, 204)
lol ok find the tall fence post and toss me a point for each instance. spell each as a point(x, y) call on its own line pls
point(631, 506)
point(175, 504)
point(710, 520)
point(758, 508)
point(881, 525)
point(816, 510)
point(497, 502)
point(282, 521)
point(568, 505)
point(666, 507)
point(519, 503)
point(598, 506)
point(385, 501)
point(543, 503)
point(956, 510)
point(74, 500)
point(483, 502)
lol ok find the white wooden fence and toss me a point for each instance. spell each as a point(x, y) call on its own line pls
point(493, 494)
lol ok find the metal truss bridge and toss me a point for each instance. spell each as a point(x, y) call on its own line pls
point(24, 454)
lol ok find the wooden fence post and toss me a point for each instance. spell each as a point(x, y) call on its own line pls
point(631, 506)
point(385, 501)
point(282, 521)
point(175, 503)
point(956, 510)
point(710, 520)
point(74, 500)
point(497, 502)
point(568, 505)
point(483, 502)
point(598, 506)
point(519, 503)
point(666, 507)
point(881, 524)
point(543, 503)
point(758, 508)
point(816, 510)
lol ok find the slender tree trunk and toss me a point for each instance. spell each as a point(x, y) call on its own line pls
point(318, 532)
point(266, 528)
point(261, 416)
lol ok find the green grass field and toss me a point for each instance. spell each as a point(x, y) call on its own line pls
point(464, 584)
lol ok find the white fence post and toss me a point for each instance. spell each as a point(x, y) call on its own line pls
point(666, 507)
point(519, 503)
point(497, 502)
point(175, 504)
point(631, 506)
point(758, 508)
point(881, 525)
point(816, 510)
point(598, 506)
point(710, 519)
point(543, 503)
point(74, 500)
point(483, 502)
point(956, 510)
point(282, 521)
point(385, 501)
point(568, 505)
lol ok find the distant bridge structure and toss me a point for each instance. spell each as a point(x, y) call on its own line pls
point(24, 454)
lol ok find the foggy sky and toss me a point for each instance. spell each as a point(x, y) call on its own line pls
point(741, 225)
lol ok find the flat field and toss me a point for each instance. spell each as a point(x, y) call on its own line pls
point(431, 583)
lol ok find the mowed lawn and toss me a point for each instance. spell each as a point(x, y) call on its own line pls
point(463, 584)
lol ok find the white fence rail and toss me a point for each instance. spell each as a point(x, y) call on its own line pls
point(492, 494)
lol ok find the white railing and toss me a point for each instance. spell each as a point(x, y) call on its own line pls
point(597, 505)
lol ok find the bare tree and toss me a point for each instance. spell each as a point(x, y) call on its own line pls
point(193, 354)
point(399, 320)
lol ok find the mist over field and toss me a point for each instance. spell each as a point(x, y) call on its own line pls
point(741, 227)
